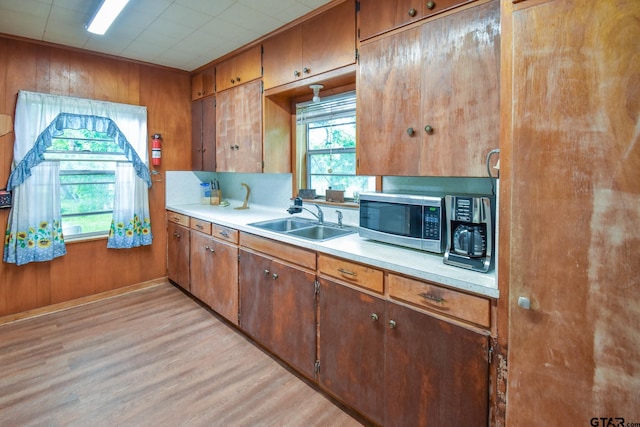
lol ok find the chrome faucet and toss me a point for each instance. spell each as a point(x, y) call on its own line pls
point(339, 213)
point(297, 208)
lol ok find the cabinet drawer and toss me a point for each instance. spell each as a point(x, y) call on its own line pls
point(293, 254)
point(358, 274)
point(200, 225)
point(178, 218)
point(224, 233)
point(463, 306)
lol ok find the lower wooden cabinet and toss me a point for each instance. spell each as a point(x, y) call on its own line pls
point(277, 308)
point(214, 274)
point(352, 347)
point(398, 366)
point(178, 254)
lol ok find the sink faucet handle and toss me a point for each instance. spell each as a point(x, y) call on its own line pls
point(339, 213)
point(297, 201)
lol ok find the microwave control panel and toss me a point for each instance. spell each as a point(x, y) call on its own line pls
point(432, 223)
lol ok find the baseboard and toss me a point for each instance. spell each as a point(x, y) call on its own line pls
point(40, 311)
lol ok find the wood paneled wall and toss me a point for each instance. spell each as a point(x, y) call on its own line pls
point(89, 267)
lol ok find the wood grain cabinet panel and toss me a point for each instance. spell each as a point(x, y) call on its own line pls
point(214, 274)
point(203, 134)
point(277, 308)
point(239, 128)
point(428, 98)
point(239, 69)
point(203, 83)
point(379, 16)
point(469, 308)
point(321, 44)
point(178, 254)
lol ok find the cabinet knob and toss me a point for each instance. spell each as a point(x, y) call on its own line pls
point(374, 317)
point(306, 70)
point(524, 302)
point(431, 5)
point(410, 131)
point(176, 235)
point(275, 276)
point(238, 79)
point(392, 324)
point(428, 129)
point(232, 81)
point(296, 73)
point(266, 272)
point(412, 12)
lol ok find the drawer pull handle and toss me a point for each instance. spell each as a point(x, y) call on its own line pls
point(224, 233)
point(176, 219)
point(198, 226)
point(176, 235)
point(209, 249)
point(347, 272)
point(433, 298)
point(374, 317)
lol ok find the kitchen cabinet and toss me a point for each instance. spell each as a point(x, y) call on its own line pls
point(277, 301)
point(399, 366)
point(572, 124)
point(278, 309)
point(214, 270)
point(428, 99)
point(203, 134)
point(379, 16)
point(178, 249)
point(239, 128)
point(239, 69)
point(203, 83)
point(320, 44)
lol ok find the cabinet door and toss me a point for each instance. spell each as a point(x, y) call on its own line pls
point(329, 40)
point(388, 114)
point(224, 280)
point(378, 16)
point(178, 254)
point(351, 355)
point(239, 129)
point(203, 135)
point(282, 58)
point(202, 267)
point(255, 296)
point(240, 69)
point(460, 94)
point(293, 316)
point(436, 373)
point(203, 83)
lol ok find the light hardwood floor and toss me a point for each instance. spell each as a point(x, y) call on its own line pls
point(148, 358)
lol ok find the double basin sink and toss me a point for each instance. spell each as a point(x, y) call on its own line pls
point(303, 228)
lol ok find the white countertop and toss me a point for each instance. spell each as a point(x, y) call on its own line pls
point(422, 265)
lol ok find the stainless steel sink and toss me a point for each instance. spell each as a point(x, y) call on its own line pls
point(303, 228)
point(283, 224)
point(320, 232)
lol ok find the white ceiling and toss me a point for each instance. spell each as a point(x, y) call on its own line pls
point(182, 34)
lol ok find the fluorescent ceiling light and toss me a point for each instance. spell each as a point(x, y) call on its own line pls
point(106, 14)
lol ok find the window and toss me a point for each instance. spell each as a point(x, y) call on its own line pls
point(88, 161)
point(327, 130)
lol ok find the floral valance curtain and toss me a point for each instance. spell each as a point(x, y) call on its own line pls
point(34, 230)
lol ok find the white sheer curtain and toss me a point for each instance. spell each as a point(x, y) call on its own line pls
point(34, 229)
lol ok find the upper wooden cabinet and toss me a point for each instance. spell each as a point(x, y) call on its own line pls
point(428, 97)
point(239, 69)
point(239, 129)
point(203, 83)
point(321, 44)
point(379, 16)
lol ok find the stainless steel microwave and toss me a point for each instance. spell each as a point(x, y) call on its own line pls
point(410, 220)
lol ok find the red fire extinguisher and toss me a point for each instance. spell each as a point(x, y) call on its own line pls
point(156, 149)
